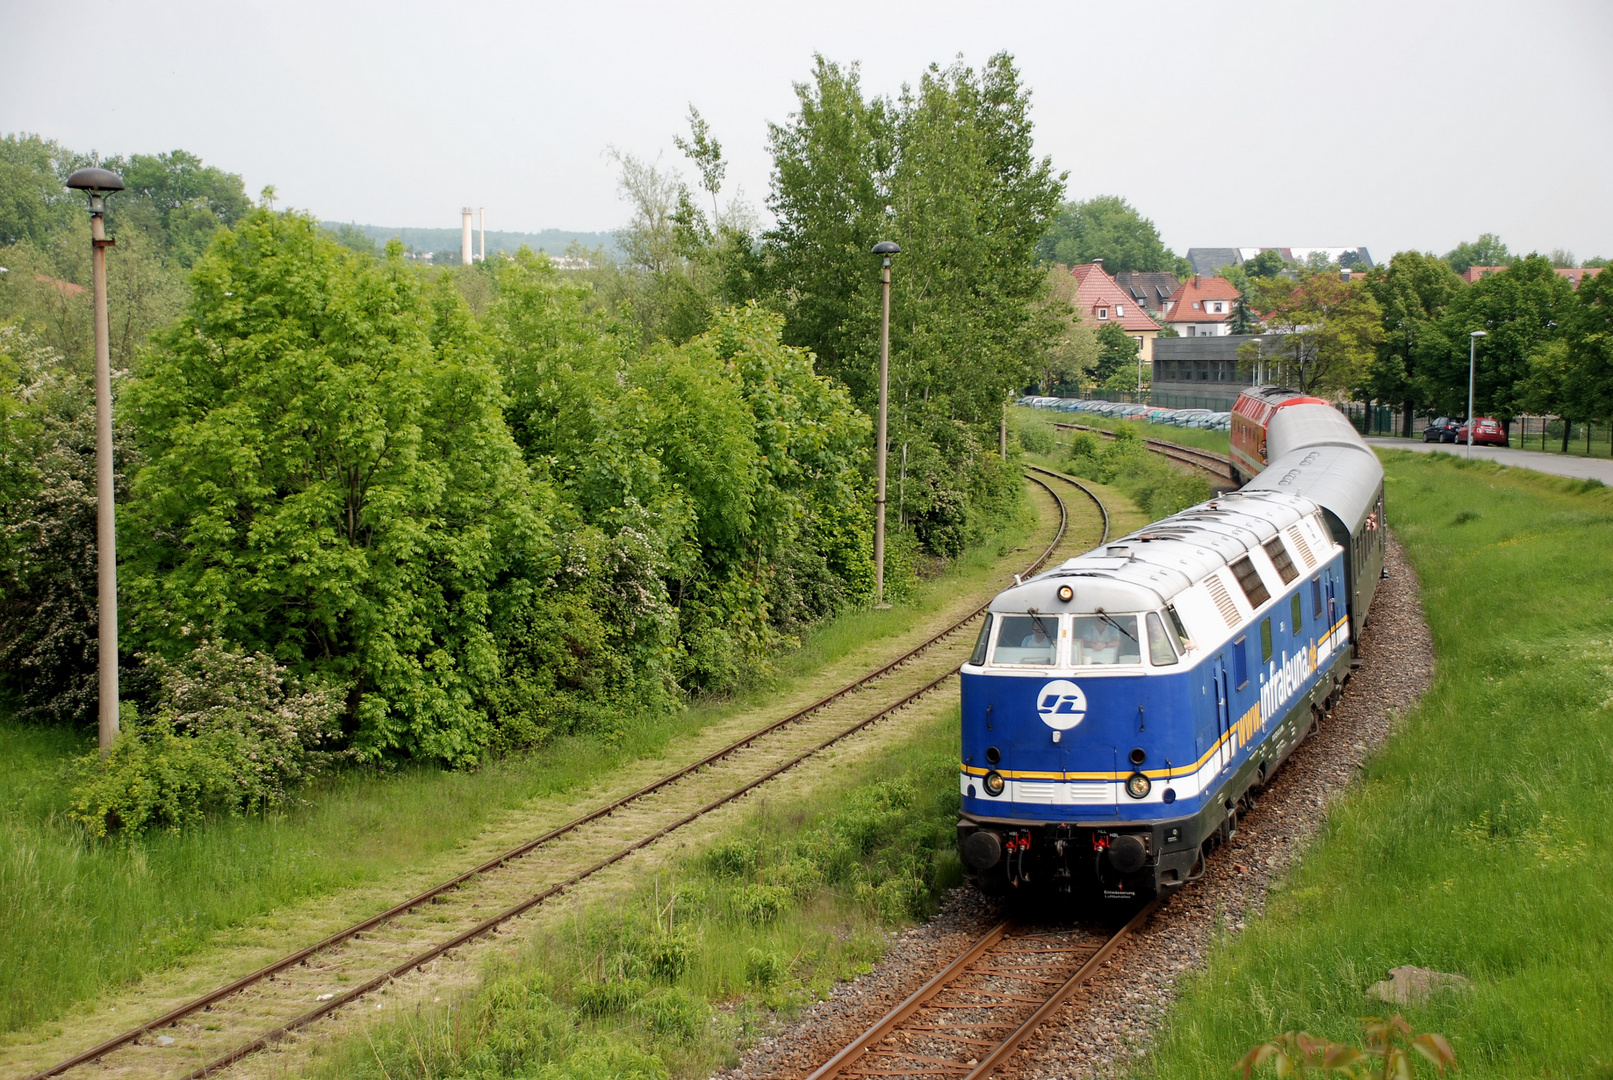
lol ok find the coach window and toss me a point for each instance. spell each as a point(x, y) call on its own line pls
point(1027, 639)
point(1265, 640)
point(1160, 651)
point(984, 640)
point(1316, 595)
point(1240, 662)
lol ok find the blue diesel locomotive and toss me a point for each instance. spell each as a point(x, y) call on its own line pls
point(1120, 709)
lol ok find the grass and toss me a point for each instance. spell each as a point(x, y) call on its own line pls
point(1480, 839)
point(78, 917)
point(1218, 441)
point(677, 977)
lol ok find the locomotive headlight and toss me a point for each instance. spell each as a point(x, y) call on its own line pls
point(993, 783)
point(1066, 593)
point(1138, 786)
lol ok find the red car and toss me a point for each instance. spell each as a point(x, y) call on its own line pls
point(1486, 432)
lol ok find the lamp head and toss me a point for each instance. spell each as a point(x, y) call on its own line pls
point(887, 247)
point(1479, 334)
point(97, 184)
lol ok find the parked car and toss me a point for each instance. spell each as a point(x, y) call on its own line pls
point(1443, 429)
point(1486, 432)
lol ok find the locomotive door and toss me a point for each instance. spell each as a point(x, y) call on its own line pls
point(1329, 588)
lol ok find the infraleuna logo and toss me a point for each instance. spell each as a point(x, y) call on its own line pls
point(1061, 704)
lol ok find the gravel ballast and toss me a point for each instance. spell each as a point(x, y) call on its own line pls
point(1113, 1018)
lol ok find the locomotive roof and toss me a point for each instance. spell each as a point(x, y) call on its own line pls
point(1146, 568)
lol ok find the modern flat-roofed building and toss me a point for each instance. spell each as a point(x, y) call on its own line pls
point(1199, 372)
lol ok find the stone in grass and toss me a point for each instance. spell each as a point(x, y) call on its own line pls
point(1408, 985)
point(165, 1040)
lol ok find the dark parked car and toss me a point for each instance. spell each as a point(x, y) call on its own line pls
point(1443, 429)
point(1486, 432)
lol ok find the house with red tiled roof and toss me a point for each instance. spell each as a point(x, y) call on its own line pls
point(1202, 307)
point(1100, 300)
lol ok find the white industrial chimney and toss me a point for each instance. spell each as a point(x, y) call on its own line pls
point(464, 239)
point(481, 225)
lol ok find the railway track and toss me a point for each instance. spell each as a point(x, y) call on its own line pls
point(968, 1020)
point(1217, 465)
point(214, 1030)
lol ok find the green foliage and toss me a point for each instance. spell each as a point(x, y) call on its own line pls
point(1413, 293)
point(1109, 228)
point(1035, 438)
point(330, 481)
point(953, 162)
point(1326, 330)
point(1117, 354)
point(1522, 308)
point(230, 735)
point(1487, 250)
point(1125, 461)
point(34, 201)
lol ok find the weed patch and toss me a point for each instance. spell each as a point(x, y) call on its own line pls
point(1126, 462)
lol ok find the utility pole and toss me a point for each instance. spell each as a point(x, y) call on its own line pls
point(885, 249)
point(98, 184)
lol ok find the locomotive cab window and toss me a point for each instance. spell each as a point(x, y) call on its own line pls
point(1160, 651)
point(979, 655)
point(1104, 640)
point(1027, 639)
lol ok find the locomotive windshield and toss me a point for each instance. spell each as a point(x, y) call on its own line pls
point(1103, 639)
point(1028, 639)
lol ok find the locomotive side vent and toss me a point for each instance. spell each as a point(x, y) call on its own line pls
point(1301, 546)
point(1223, 601)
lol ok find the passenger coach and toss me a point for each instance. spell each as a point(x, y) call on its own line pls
point(1119, 709)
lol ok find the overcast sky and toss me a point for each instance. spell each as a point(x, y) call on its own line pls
point(1391, 125)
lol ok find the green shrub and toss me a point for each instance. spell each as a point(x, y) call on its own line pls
point(231, 735)
point(1155, 485)
point(672, 1012)
point(765, 969)
point(609, 997)
point(1036, 439)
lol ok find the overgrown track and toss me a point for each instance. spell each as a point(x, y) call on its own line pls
point(1217, 465)
point(1088, 492)
point(257, 1009)
point(969, 1019)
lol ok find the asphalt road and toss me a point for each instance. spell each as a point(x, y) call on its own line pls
point(1561, 464)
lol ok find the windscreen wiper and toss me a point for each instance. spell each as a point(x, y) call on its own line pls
point(1104, 616)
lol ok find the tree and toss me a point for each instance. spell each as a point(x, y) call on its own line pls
point(1590, 349)
point(706, 153)
point(1412, 292)
point(1521, 308)
point(1074, 350)
point(948, 170)
point(1322, 331)
point(1117, 354)
point(34, 200)
point(1487, 250)
point(331, 482)
point(1109, 228)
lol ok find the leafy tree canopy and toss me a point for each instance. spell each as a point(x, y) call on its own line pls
point(1324, 331)
point(1487, 250)
point(1109, 228)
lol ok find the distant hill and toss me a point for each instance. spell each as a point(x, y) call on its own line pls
point(424, 241)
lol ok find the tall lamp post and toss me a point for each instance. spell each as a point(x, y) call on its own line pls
point(98, 184)
point(885, 249)
point(1472, 356)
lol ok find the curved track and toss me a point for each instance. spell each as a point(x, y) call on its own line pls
point(969, 1019)
point(1217, 465)
point(370, 954)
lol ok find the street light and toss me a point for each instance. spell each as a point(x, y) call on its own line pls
point(885, 249)
point(1472, 353)
point(98, 184)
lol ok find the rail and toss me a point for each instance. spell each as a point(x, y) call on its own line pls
point(206, 1001)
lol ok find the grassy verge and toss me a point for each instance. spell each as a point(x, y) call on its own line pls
point(1218, 441)
point(673, 979)
point(79, 916)
point(1480, 840)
